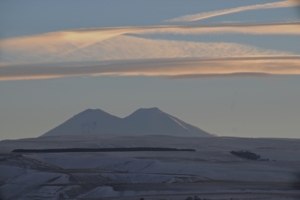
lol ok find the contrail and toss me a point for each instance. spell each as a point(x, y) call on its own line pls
point(206, 15)
point(180, 68)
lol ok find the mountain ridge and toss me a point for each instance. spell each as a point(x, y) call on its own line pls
point(143, 121)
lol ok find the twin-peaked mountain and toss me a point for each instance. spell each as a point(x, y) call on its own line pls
point(151, 121)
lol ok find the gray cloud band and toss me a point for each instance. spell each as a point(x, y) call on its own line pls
point(289, 65)
point(232, 75)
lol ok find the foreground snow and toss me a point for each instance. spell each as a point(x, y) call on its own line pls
point(210, 172)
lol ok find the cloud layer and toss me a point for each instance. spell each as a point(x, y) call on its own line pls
point(122, 48)
point(66, 45)
point(85, 36)
point(285, 65)
point(109, 51)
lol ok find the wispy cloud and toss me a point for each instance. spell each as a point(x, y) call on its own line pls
point(124, 48)
point(109, 51)
point(100, 34)
point(230, 75)
point(289, 28)
point(206, 15)
point(285, 65)
point(66, 45)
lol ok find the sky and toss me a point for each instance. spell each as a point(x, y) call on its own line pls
point(232, 69)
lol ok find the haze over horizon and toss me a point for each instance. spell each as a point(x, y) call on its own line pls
point(230, 69)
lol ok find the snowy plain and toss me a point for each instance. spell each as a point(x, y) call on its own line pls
point(210, 172)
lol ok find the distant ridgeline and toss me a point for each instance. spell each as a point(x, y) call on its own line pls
point(144, 121)
point(97, 150)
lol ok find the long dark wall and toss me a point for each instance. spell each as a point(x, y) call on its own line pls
point(97, 150)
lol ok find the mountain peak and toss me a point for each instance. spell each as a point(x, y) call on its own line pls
point(144, 121)
point(92, 112)
point(89, 110)
point(154, 109)
point(89, 121)
point(144, 112)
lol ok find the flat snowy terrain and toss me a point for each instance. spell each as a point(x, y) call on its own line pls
point(210, 172)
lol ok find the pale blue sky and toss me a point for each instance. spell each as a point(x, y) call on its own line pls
point(20, 18)
point(232, 106)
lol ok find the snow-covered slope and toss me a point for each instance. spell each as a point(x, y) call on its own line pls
point(211, 172)
point(155, 122)
point(151, 121)
point(87, 122)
